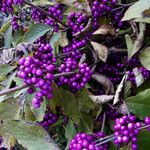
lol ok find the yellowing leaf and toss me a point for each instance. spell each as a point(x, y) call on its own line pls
point(105, 29)
point(101, 50)
point(145, 58)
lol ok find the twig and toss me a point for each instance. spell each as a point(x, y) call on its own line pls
point(144, 127)
point(107, 140)
point(45, 12)
point(112, 137)
point(4, 92)
point(106, 137)
point(65, 54)
point(117, 50)
point(103, 123)
point(88, 26)
point(63, 74)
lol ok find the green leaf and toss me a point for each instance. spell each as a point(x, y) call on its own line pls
point(70, 132)
point(145, 58)
point(17, 37)
point(6, 25)
point(56, 101)
point(5, 69)
point(55, 38)
point(140, 104)
point(9, 109)
point(28, 114)
point(8, 83)
point(35, 31)
point(18, 93)
point(39, 113)
point(84, 101)
point(112, 146)
point(143, 140)
point(31, 136)
point(8, 38)
point(139, 40)
point(70, 106)
point(18, 81)
point(86, 123)
point(136, 10)
point(129, 43)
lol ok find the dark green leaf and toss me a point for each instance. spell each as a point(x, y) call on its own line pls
point(86, 123)
point(143, 140)
point(56, 101)
point(9, 109)
point(140, 104)
point(34, 32)
point(28, 114)
point(70, 132)
point(39, 113)
point(70, 106)
point(84, 101)
point(31, 136)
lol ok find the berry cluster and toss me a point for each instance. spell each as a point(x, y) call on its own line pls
point(126, 130)
point(117, 17)
point(83, 141)
point(55, 11)
point(48, 120)
point(77, 22)
point(37, 16)
point(99, 8)
point(74, 48)
point(7, 5)
point(115, 70)
point(37, 71)
point(41, 40)
point(78, 80)
point(14, 23)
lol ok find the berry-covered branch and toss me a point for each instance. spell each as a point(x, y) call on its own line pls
point(44, 12)
point(4, 92)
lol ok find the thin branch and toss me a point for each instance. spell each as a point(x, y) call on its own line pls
point(144, 127)
point(44, 12)
point(103, 123)
point(106, 137)
point(4, 92)
point(8, 91)
point(63, 74)
point(112, 137)
point(107, 140)
point(88, 26)
point(65, 54)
